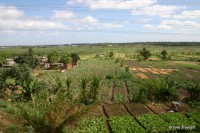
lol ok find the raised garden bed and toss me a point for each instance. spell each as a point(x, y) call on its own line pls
point(153, 123)
point(114, 110)
point(125, 124)
point(158, 108)
point(92, 125)
point(137, 109)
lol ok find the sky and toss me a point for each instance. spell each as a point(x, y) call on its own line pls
point(40, 22)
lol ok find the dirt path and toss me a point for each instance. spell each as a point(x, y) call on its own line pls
point(106, 117)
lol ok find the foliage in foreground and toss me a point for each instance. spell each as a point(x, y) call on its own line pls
point(153, 123)
point(125, 124)
point(92, 125)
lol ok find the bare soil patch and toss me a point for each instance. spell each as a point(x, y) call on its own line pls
point(153, 71)
point(94, 111)
point(137, 109)
point(114, 110)
point(142, 70)
point(158, 108)
point(141, 75)
point(133, 69)
point(184, 108)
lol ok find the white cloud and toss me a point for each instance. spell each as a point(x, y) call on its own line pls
point(159, 27)
point(10, 11)
point(90, 20)
point(93, 23)
point(173, 24)
point(111, 25)
point(113, 4)
point(11, 23)
point(185, 24)
point(157, 10)
point(188, 14)
point(63, 14)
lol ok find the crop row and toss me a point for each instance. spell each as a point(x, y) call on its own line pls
point(169, 122)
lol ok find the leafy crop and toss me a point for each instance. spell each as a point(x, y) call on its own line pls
point(92, 125)
point(176, 119)
point(125, 124)
point(153, 123)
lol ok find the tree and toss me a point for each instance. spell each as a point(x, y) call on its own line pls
point(2, 60)
point(53, 57)
point(21, 73)
point(145, 53)
point(27, 58)
point(75, 57)
point(164, 54)
point(111, 54)
point(65, 59)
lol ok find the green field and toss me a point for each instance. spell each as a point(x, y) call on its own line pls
point(118, 94)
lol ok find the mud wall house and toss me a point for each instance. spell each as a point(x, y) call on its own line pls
point(43, 62)
point(42, 59)
point(75, 64)
point(101, 56)
point(56, 66)
point(44, 65)
point(9, 63)
point(67, 66)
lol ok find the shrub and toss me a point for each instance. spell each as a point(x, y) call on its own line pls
point(109, 76)
point(145, 53)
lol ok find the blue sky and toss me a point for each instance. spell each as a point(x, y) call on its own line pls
point(97, 21)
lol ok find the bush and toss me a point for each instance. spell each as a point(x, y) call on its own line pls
point(109, 76)
point(145, 53)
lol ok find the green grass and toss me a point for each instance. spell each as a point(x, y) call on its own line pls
point(189, 66)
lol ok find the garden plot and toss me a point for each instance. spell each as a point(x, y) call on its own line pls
point(177, 119)
point(142, 69)
point(134, 70)
point(153, 123)
point(142, 72)
point(151, 75)
point(114, 110)
point(153, 71)
point(125, 124)
point(158, 108)
point(184, 108)
point(141, 75)
point(105, 92)
point(137, 109)
point(94, 111)
point(92, 125)
point(120, 94)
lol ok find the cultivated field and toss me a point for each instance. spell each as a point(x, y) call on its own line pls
point(121, 93)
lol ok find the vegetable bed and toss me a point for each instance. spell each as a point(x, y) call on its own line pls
point(137, 109)
point(94, 125)
point(153, 123)
point(178, 121)
point(125, 124)
point(114, 110)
